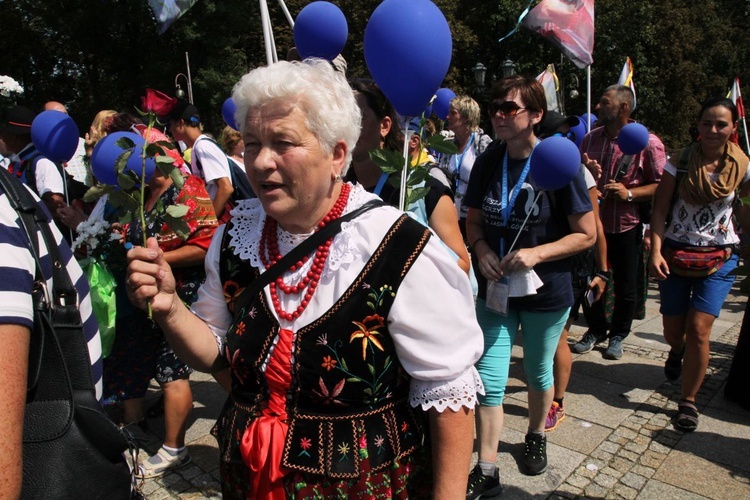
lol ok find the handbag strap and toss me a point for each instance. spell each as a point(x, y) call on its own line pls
point(298, 252)
point(61, 307)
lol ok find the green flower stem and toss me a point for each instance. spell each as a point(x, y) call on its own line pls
point(142, 211)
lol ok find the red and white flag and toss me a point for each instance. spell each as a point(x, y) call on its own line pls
point(736, 96)
point(569, 24)
point(626, 78)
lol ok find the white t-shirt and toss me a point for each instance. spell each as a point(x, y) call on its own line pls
point(702, 225)
point(434, 328)
point(48, 178)
point(213, 163)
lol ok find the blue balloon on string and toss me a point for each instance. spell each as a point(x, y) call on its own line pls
point(320, 30)
point(442, 103)
point(55, 135)
point(633, 138)
point(408, 49)
point(554, 163)
point(106, 152)
point(227, 111)
point(585, 119)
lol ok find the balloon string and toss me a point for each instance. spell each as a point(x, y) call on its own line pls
point(524, 222)
point(405, 170)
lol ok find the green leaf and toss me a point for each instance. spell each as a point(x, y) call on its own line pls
point(371, 368)
point(416, 176)
point(745, 200)
point(122, 161)
point(417, 194)
point(441, 144)
point(389, 161)
point(153, 150)
point(178, 225)
point(164, 159)
point(178, 210)
point(126, 180)
point(125, 218)
point(343, 364)
point(96, 192)
point(353, 379)
point(177, 178)
point(125, 143)
point(165, 144)
point(121, 199)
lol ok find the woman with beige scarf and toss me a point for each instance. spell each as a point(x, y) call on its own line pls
point(694, 245)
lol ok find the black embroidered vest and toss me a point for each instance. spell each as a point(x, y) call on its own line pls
point(348, 400)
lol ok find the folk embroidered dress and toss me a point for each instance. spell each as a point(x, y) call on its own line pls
point(332, 403)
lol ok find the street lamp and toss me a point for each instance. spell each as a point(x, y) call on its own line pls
point(509, 68)
point(480, 71)
point(179, 92)
point(574, 87)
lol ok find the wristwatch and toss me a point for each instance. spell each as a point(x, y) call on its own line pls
point(630, 195)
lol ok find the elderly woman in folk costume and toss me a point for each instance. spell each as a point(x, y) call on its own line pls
point(348, 354)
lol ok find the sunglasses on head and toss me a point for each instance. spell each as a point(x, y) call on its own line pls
point(506, 109)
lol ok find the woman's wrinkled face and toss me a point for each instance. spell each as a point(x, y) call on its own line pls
point(287, 167)
point(716, 126)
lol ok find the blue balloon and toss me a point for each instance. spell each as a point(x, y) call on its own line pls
point(442, 103)
point(408, 49)
point(105, 155)
point(554, 163)
point(55, 135)
point(227, 111)
point(585, 119)
point(577, 132)
point(320, 30)
point(632, 139)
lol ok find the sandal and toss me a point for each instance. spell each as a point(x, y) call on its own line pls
point(673, 365)
point(686, 419)
point(159, 464)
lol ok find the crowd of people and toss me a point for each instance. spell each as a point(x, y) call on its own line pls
point(362, 347)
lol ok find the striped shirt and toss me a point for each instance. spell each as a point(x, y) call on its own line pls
point(647, 167)
point(17, 271)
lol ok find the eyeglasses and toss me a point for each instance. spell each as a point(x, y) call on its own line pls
point(507, 109)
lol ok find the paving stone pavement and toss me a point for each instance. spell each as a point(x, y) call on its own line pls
point(616, 442)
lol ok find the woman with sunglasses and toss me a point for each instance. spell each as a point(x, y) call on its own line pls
point(501, 196)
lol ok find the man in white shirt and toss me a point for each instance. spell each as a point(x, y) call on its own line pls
point(28, 164)
point(207, 160)
point(76, 167)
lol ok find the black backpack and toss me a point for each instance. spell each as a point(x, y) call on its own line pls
point(242, 188)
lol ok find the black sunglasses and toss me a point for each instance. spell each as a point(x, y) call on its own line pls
point(507, 109)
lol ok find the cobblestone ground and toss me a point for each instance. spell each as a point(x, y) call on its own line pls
point(629, 456)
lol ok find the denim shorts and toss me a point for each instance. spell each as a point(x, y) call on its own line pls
point(706, 295)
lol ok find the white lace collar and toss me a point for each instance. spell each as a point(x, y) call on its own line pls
point(248, 218)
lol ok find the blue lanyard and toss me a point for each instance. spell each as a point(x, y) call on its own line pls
point(380, 184)
point(460, 159)
point(506, 205)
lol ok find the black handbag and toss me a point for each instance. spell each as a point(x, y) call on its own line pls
point(71, 448)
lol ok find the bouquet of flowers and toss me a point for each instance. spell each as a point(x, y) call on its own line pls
point(9, 88)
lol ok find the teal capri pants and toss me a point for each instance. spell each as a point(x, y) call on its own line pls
point(541, 333)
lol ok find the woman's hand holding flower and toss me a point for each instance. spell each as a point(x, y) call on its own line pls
point(150, 279)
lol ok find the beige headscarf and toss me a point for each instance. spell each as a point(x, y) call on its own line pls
point(699, 189)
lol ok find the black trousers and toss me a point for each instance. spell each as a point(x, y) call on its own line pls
point(623, 254)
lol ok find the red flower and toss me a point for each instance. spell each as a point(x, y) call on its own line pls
point(156, 102)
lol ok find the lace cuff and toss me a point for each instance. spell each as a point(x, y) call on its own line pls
point(454, 394)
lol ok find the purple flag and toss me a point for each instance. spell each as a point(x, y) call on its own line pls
point(168, 11)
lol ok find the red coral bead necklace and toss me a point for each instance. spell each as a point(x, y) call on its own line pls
point(269, 255)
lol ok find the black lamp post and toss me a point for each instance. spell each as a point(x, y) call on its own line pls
point(508, 67)
point(480, 72)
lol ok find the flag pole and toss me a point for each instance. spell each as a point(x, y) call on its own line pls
point(747, 141)
point(588, 97)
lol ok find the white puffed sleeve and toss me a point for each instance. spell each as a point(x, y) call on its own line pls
point(210, 305)
point(438, 340)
